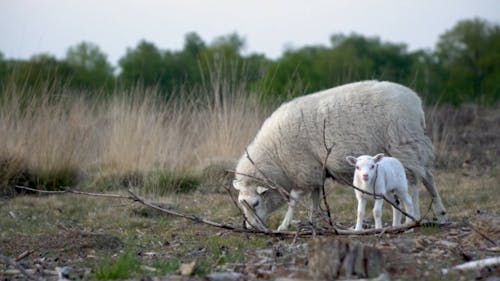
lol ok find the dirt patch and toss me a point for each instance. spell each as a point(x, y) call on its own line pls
point(43, 253)
point(72, 242)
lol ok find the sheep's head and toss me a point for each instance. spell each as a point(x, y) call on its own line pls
point(251, 201)
point(365, 165)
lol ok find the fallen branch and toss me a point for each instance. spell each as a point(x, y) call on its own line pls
point(194, 218)
point(325, 171)
point(331, 231)
point(481, 234)
point(68, 190)
point(473, 265)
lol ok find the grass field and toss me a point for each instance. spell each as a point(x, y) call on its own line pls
point(174, 153)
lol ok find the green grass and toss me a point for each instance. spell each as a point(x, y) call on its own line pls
point(122, 267)
point(165, 182)
point(171, 265)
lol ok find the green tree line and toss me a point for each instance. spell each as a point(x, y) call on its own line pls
point(463, 67)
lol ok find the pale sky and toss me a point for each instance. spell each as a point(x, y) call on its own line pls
point(29, 27)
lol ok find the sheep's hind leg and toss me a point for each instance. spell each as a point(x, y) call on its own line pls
point(409, 208)
point(437, 204)
point(413, 189)
point(315, 197)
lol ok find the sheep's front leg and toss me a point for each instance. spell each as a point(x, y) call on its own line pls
point(361, 211)
point(294, 197)
point(377, 213)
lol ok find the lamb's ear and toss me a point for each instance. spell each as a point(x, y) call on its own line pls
point(236, 184)
point(351, 160)
point(261, 189)
point(378, 157)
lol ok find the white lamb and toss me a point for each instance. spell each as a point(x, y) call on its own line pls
point(382, 176)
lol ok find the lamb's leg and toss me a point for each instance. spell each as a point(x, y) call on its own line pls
point(396, 214)
point(361, 212)
point(294, 197)
point(437, 204)
point(377, 213)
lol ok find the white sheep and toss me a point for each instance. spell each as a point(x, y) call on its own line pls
point(363, 117)
point(382, 176)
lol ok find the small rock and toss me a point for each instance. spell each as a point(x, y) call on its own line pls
point(187, 269)
point(447, 244)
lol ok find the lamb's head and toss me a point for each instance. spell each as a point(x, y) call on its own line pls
point(365, 165)
point(251, 200)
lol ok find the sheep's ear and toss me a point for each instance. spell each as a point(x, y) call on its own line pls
point(351, 160)
point(261, 189)
point(236, 184)
point(378, 157)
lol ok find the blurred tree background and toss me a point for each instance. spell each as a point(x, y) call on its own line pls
point(464, 66)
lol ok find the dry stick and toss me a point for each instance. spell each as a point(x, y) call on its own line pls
point(23, 255)
point(428, 210)
point(197, 219)
point(328, 152)
point(8, 261)
point(68, 190)
point(234, 201)
point(481, 234)
point(246, 203)
point(282, 191)
point(138, 199)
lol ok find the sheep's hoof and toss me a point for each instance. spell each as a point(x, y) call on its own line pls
point(282, 227)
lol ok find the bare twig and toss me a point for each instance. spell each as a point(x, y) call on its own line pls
point(481, 234)
point(194, 218)
point(23, 255)
point(269, 182)
point(68, 190)
point(8, 261)
point(324, 169)
point(428, 210)
point(334, 231)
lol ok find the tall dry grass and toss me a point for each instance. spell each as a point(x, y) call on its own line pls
point(59, 134)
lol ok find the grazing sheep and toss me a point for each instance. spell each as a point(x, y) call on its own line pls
point(363, 117)
point(381, 176)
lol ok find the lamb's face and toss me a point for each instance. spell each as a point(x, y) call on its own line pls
point(251, 201)
point(365, 166)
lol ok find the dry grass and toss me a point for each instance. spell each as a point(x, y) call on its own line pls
point(64, 135)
